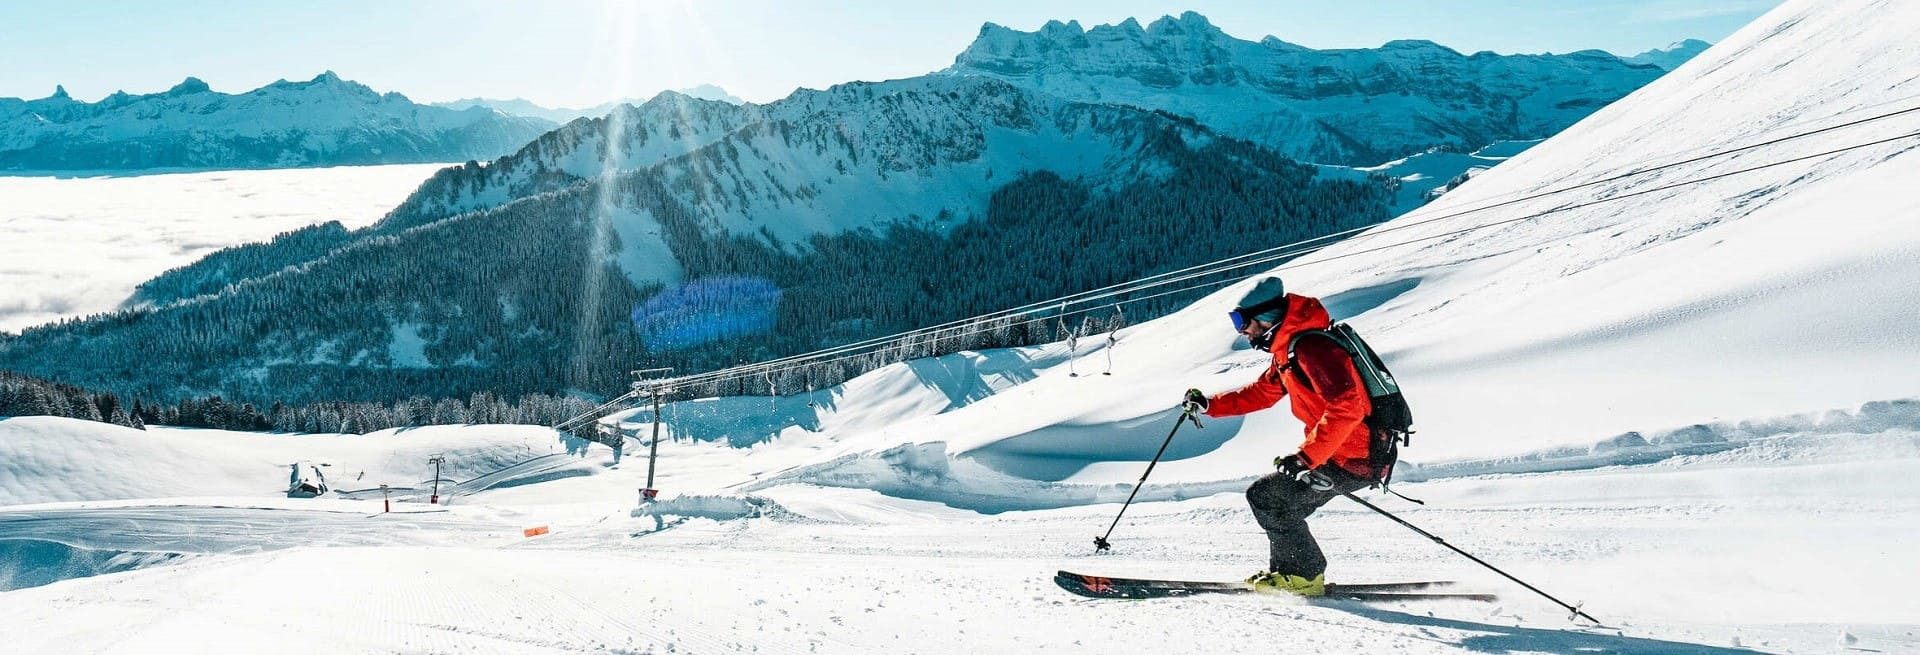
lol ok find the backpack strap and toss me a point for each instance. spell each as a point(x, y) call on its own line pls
point(1293, 362)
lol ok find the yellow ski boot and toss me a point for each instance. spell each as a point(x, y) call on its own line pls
point(1280, 583)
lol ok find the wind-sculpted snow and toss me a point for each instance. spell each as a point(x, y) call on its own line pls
point(714, 507)
point(1839, 434)
point(927, 472)
point(34, 562)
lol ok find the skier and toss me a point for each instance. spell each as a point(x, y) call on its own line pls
point(1330, 398)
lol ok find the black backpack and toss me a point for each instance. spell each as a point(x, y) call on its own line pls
point(1391, 420)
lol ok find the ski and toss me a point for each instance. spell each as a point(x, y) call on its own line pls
point(1104, 587)
point(1192, 584)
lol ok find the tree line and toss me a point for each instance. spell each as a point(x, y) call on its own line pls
point(22, 395)
point(524, 301)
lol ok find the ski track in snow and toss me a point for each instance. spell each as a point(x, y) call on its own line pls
point(1652, 548)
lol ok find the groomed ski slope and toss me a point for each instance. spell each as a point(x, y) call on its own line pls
point(1690, 554)
point(1691, 409)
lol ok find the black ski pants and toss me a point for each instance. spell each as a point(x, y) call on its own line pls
point(1282, 504)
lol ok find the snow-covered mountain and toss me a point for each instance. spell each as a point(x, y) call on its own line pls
point(855, 155)
point(563, 115)
point(1357, 107)
point(1612, 279)
point(1425, 176)
point(1673, 55)
point(321, 122)
point(668, 126)
point(844, 200)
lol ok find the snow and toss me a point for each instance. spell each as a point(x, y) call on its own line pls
point(1691, 409)
point(325, 120)
point(1336, 106)
point(1425, 176)
point(70, 247)
point(643, 255)
point(1686, 555)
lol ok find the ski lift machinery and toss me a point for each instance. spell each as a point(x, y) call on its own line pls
point(655, 387)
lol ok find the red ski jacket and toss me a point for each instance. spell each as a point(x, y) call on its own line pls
point(1334, 407)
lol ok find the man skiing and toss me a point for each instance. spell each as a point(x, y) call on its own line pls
point(1330, 397)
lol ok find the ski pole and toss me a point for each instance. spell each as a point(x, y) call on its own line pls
point(1571, 608)
point(1186, 414)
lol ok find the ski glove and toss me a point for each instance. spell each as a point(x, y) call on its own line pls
point(1294, 466)
point(1195, 403)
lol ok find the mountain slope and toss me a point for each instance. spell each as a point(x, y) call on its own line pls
point(1697, 292)
point(1354, 107)
point(1673, 55)
point(322, 122)
point(563, 115)
point(848, 213)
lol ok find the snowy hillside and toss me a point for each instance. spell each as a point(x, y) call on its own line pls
point(1356, 107)
point(1634, 305)
point(845, 203)
point(326, 121)
point(79, 246)
point(668, 126)
point(1427, 175)
point(856, 155)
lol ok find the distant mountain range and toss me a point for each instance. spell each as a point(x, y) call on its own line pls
point(1354, 107)
point(326, 121)
point(1039, 164)
point(856, 211)
point(1673, 55)
point(522, 107)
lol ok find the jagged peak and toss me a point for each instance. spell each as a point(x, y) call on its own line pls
point(1189, 23)
point(670, 97)
point(990, 28)
point(189, 85)
point(1057, 28)
point(328, 80)
point(59, 93)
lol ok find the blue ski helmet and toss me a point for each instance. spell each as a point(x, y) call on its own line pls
point(1266, 302)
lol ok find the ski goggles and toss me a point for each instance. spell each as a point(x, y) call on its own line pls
point(1240, 320)
point(1244, 316)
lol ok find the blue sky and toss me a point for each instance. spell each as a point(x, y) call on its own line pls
point(573, 52)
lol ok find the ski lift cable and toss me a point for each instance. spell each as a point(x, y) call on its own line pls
point(817, 357)
point(1292, 249)
point(725, 374)
point(1281, 252)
